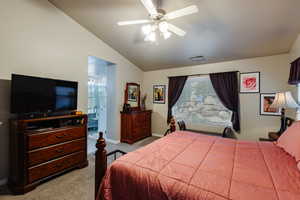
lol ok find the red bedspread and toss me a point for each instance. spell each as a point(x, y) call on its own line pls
point(189, 166)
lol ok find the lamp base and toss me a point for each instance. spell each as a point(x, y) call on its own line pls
point(283, 122)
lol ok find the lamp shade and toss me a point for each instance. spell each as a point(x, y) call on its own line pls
point(284, 100)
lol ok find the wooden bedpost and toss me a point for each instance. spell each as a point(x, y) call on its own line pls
point(100, 162)
point(172, 125)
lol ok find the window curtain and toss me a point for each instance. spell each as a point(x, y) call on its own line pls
point(176, 85)
point(294, 78)
point(226, 87)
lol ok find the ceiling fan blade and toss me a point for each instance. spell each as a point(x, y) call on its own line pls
point(133, 22)
point(176, 30)
point(182, 12)
point(150, 7)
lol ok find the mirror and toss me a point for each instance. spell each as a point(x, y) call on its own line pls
point(132, 96)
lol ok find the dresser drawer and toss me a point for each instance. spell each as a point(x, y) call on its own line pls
point(139, 120)
point(54, 137)
point(45, 154)
point(50, 168)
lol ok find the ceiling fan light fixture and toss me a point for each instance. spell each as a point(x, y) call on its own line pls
point(151, 37)
point(158, 23)
point(147, 29)
point(163, 26)
point(167, 35)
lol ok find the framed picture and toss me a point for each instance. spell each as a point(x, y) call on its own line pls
point(159, 94)
point(250, 82)
point(133, 92)
point(266, 101)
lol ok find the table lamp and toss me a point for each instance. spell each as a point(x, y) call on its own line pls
point(284, 100)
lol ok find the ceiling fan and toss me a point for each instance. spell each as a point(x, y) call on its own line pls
point(159, 21)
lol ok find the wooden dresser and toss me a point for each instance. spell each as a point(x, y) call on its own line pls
point(43, 148)
point(135, 126)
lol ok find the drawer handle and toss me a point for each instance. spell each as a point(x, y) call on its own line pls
point(60, 136)
point(59, 150)
point(60, 164)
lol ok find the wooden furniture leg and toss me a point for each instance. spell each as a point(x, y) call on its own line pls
point(172, 125)
point(100, 162)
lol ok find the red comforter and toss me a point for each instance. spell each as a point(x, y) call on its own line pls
point(189, 166)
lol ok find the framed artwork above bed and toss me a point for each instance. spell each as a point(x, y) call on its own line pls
point(266, 100)
point(250, 82)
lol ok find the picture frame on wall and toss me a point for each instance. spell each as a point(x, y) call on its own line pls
point(250, 82)
point(266, 100)
point(132, 92)
point(159, 94)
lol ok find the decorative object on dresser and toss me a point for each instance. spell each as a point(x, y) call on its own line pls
point(159, 94)
point(126, 108)
point(266, 100)
point(135, 125)
point(143, 102)
point(250, 82)
point(283, 100)
point(44, 148)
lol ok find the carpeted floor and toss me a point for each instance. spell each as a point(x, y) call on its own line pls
point(76, 185)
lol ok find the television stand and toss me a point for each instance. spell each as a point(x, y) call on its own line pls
point(43, 148)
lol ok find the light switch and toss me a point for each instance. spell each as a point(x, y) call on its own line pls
point(1, 123)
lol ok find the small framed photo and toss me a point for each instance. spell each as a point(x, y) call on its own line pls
point(266, 101)
point(250, 82)
point(133, 92)
point(159, 94)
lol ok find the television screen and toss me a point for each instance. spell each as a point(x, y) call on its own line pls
point(34, 94)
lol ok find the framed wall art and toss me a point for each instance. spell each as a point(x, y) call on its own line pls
point(133, 92)
point(266, 100)
point(250, 82)
point(159, 94)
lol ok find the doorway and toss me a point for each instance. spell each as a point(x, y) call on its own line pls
point(101, 84)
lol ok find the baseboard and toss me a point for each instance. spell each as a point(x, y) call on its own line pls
point(157, 135)
point(112, 141)
point(3, 181)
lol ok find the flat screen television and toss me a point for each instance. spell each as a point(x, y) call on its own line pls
point(42, 95)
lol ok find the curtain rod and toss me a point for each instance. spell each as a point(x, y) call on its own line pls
point(201, 74)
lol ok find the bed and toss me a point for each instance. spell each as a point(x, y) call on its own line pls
point(190, 166)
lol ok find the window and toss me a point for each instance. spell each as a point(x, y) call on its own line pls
point(199, 104)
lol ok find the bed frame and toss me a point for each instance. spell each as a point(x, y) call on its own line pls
point(100, 162)
point(101, 157)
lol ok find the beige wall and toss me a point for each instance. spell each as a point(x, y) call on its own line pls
point(274, 75)
point(38, 39)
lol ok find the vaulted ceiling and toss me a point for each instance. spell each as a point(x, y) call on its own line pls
point(221, 31)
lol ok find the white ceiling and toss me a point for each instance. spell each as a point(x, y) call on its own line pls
point(222, 30)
